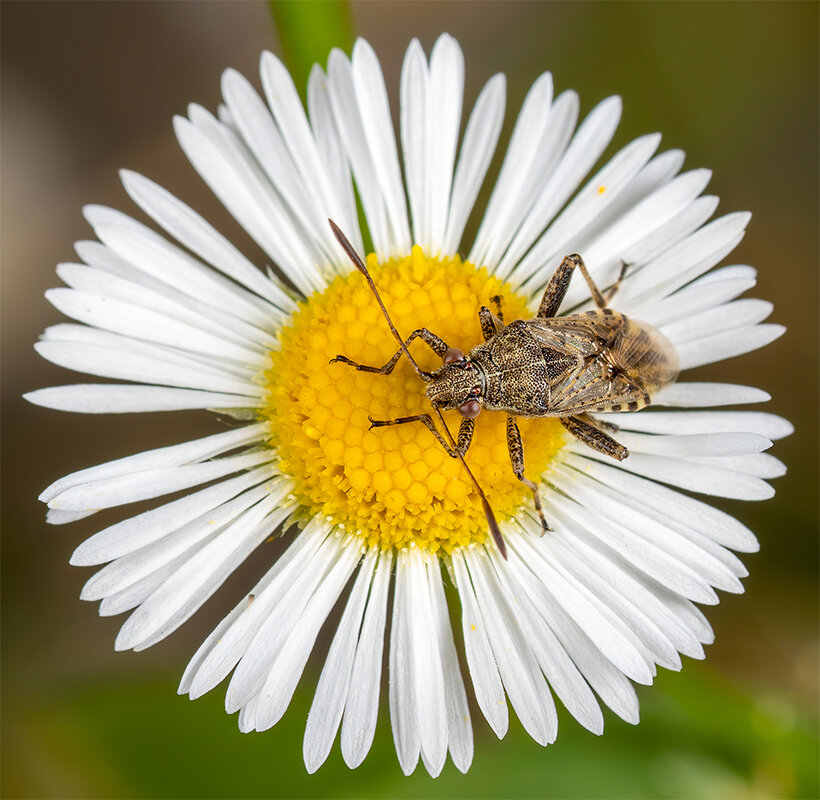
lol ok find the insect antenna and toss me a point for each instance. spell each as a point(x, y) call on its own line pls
point(360, 265)
point(488, 511)
point(425, 376)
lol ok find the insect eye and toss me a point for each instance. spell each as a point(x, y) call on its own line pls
point(470, 410)
point(453, 354)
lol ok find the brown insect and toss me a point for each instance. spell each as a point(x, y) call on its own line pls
point(548, 366)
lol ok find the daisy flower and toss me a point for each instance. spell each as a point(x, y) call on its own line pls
point(188, 322)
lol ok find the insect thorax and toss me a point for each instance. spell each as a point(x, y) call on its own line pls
point(515, 372)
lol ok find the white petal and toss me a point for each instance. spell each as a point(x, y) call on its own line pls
point(137, 592)
point(188, 227)
point(611, 685)
point(705, 519)
point(563, 116)
point(286, 670)
point(519, 670)
point(331, 691)
point(649, 559)
point(121, 280)
point(669, 234)
point(195, 596)
point(290, 169)
point(760, 465)
point(160, 457)
point(657, 530)
point(136, 565)
point(721, 443)
point(230, 647)
point(149, 252)
point(414, 123)
point(332, 156)
point(622, 227)
point(677, 265)
point(243, 193)
point(135, 568)
point(428, 675)
point(590, 140)
point(195, 663)
point(621, 610)
point(693, 616)
point(143, 323)
point(561, 673)
point(109, 363)
point(583, 559)
point(477, 148)
point(374, 107)
point(693, 395)
point(191, 585)
point(713, 481)
point(689, 422)
point(446, 92)
point(253, 642)
point(557, 241)
point(321, 201)
point(732, 272)
point(557, 588)
point(108, 398)
point(401, 685)
point(507, 197)
point(55, 516)
point(361, 711)
point(459, 729)
point(126, 346)
point(247, 716)
point(351, 127)
point(727, 317)
point(262, 205)
point(698, 296)
point(655, 185)
point(489, 690)
point(122, 489)
point(727, 345)
point(279, 609)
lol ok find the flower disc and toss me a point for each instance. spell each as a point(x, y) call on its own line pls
point(394, 485)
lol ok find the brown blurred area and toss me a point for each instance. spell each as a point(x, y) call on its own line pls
point(90, 87)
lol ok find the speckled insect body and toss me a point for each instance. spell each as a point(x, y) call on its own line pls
point(597, 361)
point(549, 366)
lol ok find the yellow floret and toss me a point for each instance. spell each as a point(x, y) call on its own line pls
point(395, 485)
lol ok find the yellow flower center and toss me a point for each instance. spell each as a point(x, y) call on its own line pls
point(394, 485)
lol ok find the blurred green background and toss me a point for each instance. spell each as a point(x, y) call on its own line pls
point(90, 87)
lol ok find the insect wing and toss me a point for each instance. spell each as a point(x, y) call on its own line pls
point(602, 361)
point(645, 352)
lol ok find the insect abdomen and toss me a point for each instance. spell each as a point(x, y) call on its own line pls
point(603, 361)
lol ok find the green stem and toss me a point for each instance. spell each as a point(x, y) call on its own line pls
point(308, 30)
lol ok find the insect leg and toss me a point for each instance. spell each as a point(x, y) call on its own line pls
point(465, 435)
point(465, 431)
point(599, 423)
point(516, 449)
point(594, 437)
point(613, 290)
point(559, 283)
point(490, 323)
point(496, 301)
point(437, 345)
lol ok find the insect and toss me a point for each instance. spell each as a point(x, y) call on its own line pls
point(548, 366)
